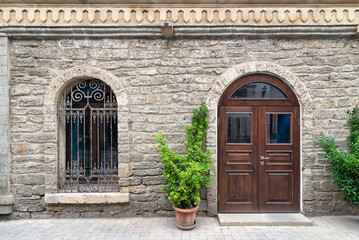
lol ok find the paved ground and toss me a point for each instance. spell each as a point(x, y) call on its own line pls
point(327, 227)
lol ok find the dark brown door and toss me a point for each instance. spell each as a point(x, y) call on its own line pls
point(258, 151)
point(278, 159)
point(238, 176)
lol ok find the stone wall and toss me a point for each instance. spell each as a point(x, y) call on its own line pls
point(164, 81)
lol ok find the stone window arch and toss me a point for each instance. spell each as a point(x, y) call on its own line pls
point(88, 138)
point(54, 155)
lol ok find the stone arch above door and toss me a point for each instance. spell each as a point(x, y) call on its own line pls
point(243, 69)
point(60, 82)
point(234, 73)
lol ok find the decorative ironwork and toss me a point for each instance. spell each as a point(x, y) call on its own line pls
point(77, 180)
point(88, 112)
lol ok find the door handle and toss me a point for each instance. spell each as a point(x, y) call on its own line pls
point(262, 160)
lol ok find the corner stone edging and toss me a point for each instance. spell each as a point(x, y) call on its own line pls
point(6, 202)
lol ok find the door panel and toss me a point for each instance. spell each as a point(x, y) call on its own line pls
point(238, 175)
point(240, 187)
point(279, 169)
point(279, 157)
point(239, 158)
point(279, 186)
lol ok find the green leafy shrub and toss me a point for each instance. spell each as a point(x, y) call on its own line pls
point(188, 175)
point(345, 165)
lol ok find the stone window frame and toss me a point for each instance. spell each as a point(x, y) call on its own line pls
point(233, 74)
point(51, 125)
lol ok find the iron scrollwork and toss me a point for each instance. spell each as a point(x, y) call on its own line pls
point(88, 110)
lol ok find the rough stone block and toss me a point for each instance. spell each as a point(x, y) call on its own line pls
point(146, 197)
point(153, 180)
point(130, 181)
point(124, 170)
point(42, 215)
point(5, 210)
point(147, 172)
point(327, 186)
point(125, 190)
point(39, 208)
point(137, 189)
point(31, 179)
point(30, 101)
point(145, 206)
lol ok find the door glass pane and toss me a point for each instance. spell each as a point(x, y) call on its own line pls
point(238, 128)
point(258, 90)
point(278, 128)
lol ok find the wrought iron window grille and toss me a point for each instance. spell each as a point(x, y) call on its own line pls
point(88, 117)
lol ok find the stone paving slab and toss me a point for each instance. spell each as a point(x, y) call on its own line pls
point(325, 227)
point(263, 219)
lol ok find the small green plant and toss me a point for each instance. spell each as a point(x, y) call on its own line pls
point(188, 175)
point(345, 165)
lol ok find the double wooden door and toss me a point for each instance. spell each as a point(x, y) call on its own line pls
point(258, 167)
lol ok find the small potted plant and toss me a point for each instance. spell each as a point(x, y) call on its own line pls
point(187, 175)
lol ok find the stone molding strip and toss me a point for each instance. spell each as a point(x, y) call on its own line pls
point(154, 31)
point(180, 15)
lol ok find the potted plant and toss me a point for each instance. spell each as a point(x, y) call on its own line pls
point(187, 175)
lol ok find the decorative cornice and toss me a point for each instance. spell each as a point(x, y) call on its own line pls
point(179, 15)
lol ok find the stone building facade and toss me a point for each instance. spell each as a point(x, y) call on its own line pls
point(158, 81)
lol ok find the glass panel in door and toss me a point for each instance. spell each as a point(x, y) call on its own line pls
point(278, 128)
point(238, 128)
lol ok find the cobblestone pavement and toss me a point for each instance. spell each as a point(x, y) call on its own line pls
point(325, 227)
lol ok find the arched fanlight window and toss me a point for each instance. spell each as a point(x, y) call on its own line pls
point(258, 90)
point(88, 117)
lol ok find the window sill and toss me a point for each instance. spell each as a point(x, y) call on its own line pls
point(87, 198)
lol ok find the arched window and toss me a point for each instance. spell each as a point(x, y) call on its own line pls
point(88, 121)
point(257, 90)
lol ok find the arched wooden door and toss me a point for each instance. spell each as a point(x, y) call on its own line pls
point(258, 146)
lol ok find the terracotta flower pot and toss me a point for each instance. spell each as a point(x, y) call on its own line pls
point(185, 218)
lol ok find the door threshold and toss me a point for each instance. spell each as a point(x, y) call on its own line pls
point(263, 219)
